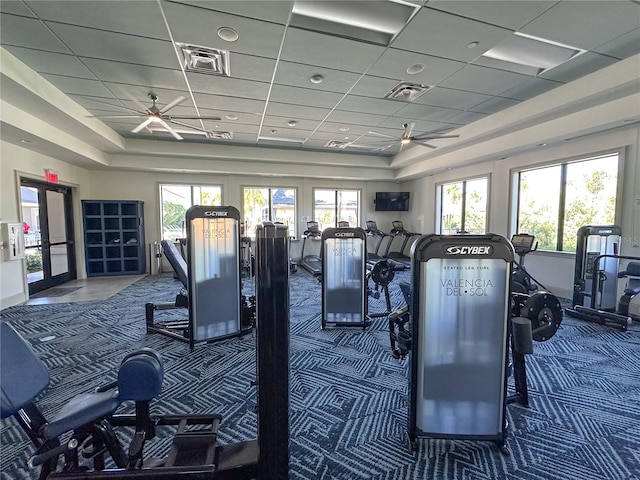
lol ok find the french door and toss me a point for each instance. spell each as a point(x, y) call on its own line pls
point(48, 232)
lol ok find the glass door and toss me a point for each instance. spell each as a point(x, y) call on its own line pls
point(48, 234)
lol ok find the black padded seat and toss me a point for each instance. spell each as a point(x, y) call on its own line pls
point(177, 262)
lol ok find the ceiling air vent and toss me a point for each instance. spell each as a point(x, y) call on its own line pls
point(220, 134)
point(406, 92)
point(213, 61)
point(337, 144)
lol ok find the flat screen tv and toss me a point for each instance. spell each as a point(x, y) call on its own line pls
point(392, 201)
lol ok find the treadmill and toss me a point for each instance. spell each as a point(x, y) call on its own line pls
point(312, 263)
point(399, 255)
point(374, 231)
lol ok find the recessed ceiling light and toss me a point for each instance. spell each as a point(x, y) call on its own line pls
point(542, 144)
point(273, 131)
point(227, 34)
point(231, 117)
point(473, 44)
point(317, 78)
point(24, 140)
point(344, 129)
point(415, 68)
point(292, 123)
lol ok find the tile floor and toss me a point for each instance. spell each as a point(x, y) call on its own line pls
point(92, 289)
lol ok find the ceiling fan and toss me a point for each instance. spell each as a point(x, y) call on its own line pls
point(158, 116)
point(408, 138)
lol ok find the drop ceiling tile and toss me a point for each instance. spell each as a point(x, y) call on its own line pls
point(493, 105)
point(198, 26)
point(425, 34)
point(234, 87)
point(50, 62)
point(29, 33)
point(337, 136)
point(585, 24)
point(426, 112)
point(216, 103)
point(302, 96)
point(242, 118)
point(89, 42)
point(578, 67)
point(421, 126)
point(271, 11)
point(127, 73)
point(512, 15)
point(297, 111)
point(464, 118)
point(135, 18)
point(298, 75)
point(102, 104)
point(376, 87)
point(366, 119)
point(490, 81)
point(530, 88)
point(332, 128)
point(623, 46)
point(280, 132)
point(332, 52)
point(283, 122)
point(249, 67)
point(79, 86)
point(449, 98)
point(394, 63)
point(16, 8)
point(355, 103)
point(234, 127)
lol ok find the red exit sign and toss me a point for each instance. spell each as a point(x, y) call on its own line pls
point(51, 176)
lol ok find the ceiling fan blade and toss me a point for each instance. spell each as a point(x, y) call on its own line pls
point(170, 130)
point(417, 142)
point(433, 136)
point(189, 117)
point(381, 135)
point(191, 127)
point(142, 125)
point(170, 105)
point(116, 116)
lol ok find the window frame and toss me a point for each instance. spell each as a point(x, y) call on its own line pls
point(514, 223)
point(439, 200)
point(336, 210)
point(270, 190)
point(191, 186)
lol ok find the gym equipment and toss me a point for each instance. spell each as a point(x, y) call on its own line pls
point(595, 284)
point(373, 253)
point(211, 278)
point(460, 335)
point(382, 274)
point(399, 231)
point(399, 334)
point(629, 303)
point(311, 262)
point(343, 224)
point(344, 284)
point(521, 281)
point(84, 431)
point(88, 421)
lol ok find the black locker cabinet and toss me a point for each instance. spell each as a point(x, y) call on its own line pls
point(114, 237)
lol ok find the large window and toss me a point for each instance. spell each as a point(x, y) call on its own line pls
point(333, 206)
point(176, 200)
point(556, 200)
point(269, 204)
point(463, 206)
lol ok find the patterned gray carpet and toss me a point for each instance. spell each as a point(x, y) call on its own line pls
point(348, 394)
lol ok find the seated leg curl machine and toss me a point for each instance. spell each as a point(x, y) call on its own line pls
point(83, 432)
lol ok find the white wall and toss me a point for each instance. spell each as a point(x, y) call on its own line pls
point(553, 269)
point(15, 162)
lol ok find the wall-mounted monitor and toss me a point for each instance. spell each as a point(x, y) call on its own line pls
point(392, 201)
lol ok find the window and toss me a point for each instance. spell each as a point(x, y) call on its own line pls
point(333, 206)
point(554, 201)
point(269, 204)
point(463, 206)
point(176, 200)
